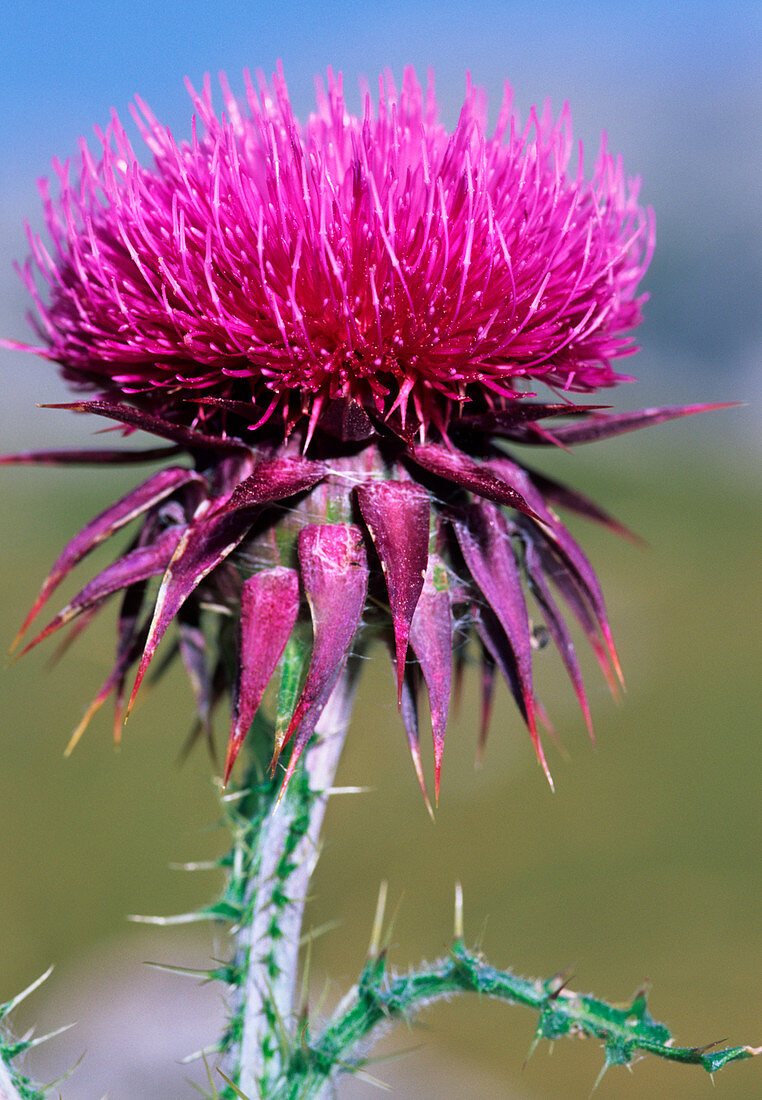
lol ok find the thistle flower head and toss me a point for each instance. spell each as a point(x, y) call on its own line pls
point(339, 325)
point(375, 258)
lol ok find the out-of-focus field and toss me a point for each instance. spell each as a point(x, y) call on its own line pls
point(645, 864)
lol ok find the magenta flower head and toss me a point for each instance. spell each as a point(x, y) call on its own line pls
point(335, 329)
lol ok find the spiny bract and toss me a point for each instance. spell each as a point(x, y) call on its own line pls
point(338, 324)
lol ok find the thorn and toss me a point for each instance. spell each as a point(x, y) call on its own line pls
point(369, 1079)
point(532, 725)
point(458, 922)
point(374, 947)
point(613, 655)
point(9, 652)
point(202, 865)
point(182, 971)
point(234, 1087)
point(599, 1078)
point(349, 790)
point(392, 924)
point(315, 933)
point(235, 796)
point(75, 737)
point(214, 1048)
point(532, 1048)
point(313, 860)
point(50, 1035)
point(393, 1055)
point(69, 1072)
point(558, 982)
point(321, 1001)
point(639, 1001)
point(548, 776)
point(9, 1006)
point(166, 922)
point(209, 1078)
point(709, 1046)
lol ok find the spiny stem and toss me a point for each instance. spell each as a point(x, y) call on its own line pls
point(8, 1090)
point(380, 998)
point(272, 863)
point(13, 1084)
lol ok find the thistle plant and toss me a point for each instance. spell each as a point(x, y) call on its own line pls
point(344, 338)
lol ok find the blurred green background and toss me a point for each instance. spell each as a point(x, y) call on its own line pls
point(643, 865)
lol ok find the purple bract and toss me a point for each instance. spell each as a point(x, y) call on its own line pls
point(336, 327)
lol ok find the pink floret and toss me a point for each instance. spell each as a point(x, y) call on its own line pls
point(378, 257)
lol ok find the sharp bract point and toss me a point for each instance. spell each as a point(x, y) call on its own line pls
point(396, 514)
point(339, 325)
point(431, 635)
point(118, 515)
point(215, 534)
point(409, 714)
point(603, 426)
point(139, 419)
point(139, 564)
point(269, 607)
point(557, 627)
point(334, 573)
point(459, 468)
point(485, 542)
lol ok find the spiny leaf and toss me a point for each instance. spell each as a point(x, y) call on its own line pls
point(378, 997)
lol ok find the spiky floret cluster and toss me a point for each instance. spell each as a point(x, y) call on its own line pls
point(378, 258)
point(333, 324)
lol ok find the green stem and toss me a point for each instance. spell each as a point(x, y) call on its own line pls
point(8, 1090)
point(272, 862)
point(380, 998)
point(13, 1084)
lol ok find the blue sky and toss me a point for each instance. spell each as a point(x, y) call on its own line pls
point(64, 63)
point(678, 87)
